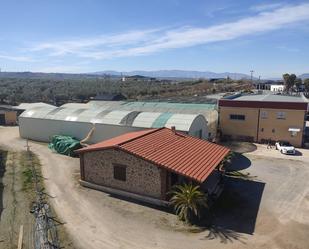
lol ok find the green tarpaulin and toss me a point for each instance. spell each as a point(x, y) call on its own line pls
point(64, 145)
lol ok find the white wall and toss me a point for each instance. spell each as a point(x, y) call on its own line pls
point(43, 129)
point(277, 88)
point(199, 123)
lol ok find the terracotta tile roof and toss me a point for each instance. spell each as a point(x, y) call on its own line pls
point(177, 152)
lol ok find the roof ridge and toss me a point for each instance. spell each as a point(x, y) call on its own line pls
point(162, 146)
point(140, 136)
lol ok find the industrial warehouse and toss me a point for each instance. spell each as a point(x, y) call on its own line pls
point(100, 120)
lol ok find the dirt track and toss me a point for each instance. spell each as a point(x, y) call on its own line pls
point(271, 212)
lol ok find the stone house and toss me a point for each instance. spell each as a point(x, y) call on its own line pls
point(145, 164)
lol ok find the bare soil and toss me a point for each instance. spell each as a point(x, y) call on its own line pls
point(16, 203)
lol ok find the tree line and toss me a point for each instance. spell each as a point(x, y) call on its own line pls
point(58, 91)
point(292, 82)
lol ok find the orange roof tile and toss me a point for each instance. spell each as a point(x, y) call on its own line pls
point(177, 152)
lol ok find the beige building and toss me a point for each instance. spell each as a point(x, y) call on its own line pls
point(259, 118)
point(8, 115)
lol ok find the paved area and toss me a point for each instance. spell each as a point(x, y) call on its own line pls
point(271, 210)
point(300, 155)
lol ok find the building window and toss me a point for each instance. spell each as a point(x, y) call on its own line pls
point(273, 130)
point(262, 129)
point(280, 115)
point(237, 117)
point(120, 172)
point(263, 114)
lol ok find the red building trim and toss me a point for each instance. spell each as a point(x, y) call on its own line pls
point(263, 104)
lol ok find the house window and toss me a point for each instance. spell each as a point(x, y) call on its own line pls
point(273, 131)
point(280, 115)
point(262, 129)
point(237, 117)
point(120, 172)
point(263, 114)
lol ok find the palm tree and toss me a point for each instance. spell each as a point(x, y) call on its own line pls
point(227, 160)
point(187, 201)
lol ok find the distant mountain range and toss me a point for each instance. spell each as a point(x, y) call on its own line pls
point(161, 74)
point(304, 76)
point(38, 75)
point(177, 74)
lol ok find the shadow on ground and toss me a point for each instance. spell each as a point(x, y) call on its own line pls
point(298, 153)
point(239, 162)
point(3, 156)
point(238, 206)
point(235, 212)
point(240, 147)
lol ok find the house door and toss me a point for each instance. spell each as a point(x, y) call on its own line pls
point(174, 179)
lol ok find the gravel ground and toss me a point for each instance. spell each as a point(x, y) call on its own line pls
point(269, 211)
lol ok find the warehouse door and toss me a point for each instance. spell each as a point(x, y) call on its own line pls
point(2, 119)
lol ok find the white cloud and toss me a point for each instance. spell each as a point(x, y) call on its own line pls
point(16, 58)
point(73, 46)
point(289, 49)
point(266, 6)
point(61, 69)
point(136, 43)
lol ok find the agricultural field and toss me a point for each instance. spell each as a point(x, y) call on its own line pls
point(59, 91)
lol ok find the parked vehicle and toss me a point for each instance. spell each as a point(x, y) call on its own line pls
point(285, 147)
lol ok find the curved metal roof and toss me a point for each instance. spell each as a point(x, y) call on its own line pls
point(37, 112)
point(156, 106)
point(26, 106)
point(146, 119)
point(104, 115)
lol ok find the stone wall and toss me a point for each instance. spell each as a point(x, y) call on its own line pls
point(142, 177)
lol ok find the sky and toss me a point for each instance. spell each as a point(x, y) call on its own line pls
point(79, 36)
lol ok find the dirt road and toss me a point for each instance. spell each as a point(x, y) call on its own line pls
point(270, 212)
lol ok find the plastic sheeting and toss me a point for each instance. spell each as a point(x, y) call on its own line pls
point(64, 145)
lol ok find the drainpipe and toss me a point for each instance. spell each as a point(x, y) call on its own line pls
point(258, 127)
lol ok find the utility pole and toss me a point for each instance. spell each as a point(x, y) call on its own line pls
point(252, 71)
